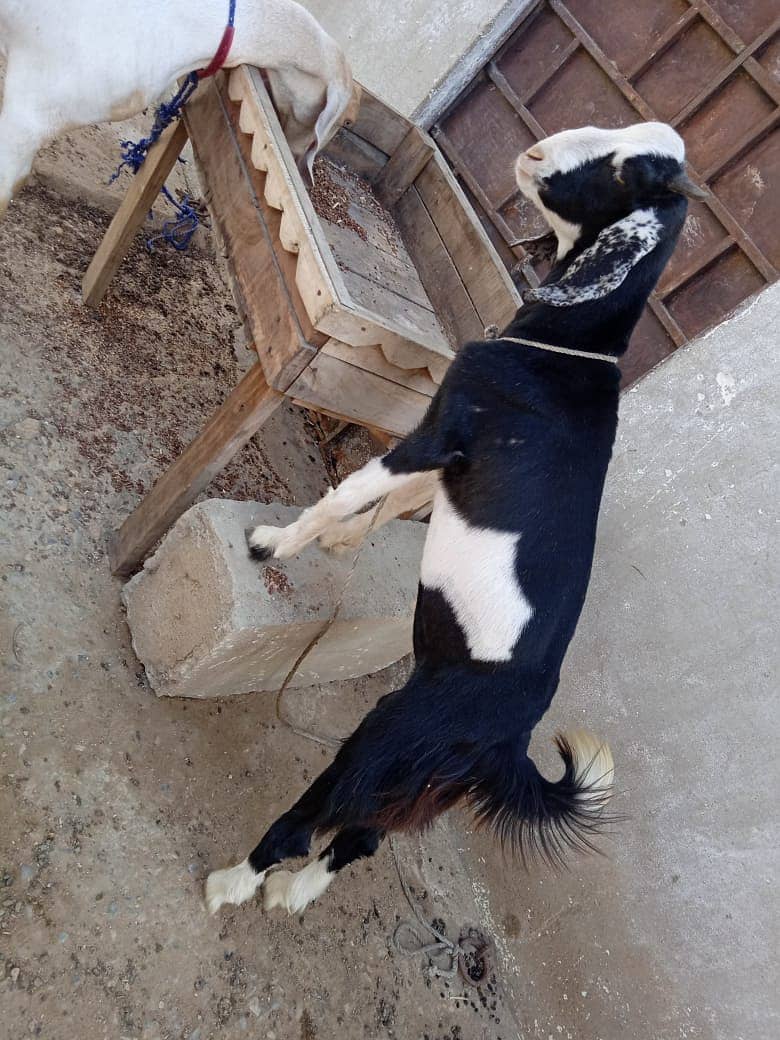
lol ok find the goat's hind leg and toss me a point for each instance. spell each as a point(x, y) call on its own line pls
point(359, 490)
point(294, 891)
point(289, 837)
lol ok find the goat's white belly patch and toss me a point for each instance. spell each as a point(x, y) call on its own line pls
point(474, 569)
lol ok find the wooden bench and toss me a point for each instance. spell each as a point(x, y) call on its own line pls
point(354, 311)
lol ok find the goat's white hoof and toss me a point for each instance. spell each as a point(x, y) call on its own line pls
point(294, 892)
point(263, 541)
point(231, 885)
point(277, 889)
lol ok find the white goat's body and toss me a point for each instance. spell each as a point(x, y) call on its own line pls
point(77, 62)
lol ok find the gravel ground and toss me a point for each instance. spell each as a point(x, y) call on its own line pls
point(115, 805)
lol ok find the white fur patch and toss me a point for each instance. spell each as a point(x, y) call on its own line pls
point(231, 885)
point(594, 767)
point(361, 488)
point(571, 148)
point(294, 892)
point(474, 569)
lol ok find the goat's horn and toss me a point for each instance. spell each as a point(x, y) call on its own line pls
point(683, 184)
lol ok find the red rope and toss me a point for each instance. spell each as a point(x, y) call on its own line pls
point(220, 57)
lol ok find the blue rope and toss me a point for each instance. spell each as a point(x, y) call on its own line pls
point(178, 232)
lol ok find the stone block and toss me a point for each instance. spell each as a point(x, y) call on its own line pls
point(207, 621)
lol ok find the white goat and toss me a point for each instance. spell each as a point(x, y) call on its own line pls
point(72, 63)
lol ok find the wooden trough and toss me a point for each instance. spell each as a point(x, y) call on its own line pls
point(355, 294)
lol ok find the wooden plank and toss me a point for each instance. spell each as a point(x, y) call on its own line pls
point(419, 324)
point(333, 386)
point(406, 162)
point(348, 149)
point(732, 40)
point(379, 124)
point(239, 418)
point(371, 359)
point(143, 190)
point(514, 100)
point(277, 320)
point(703, 260)
point(396, 271)
point(487, 281)
point(437, 271)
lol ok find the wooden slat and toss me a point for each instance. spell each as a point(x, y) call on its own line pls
point(703, 261)
point(348, 149)
point(406, 162)
point(371, 359)
point(249, 228)
point(486, 280)
point(561, 59)
point(239, 418)
point(668, 322)
point(144, 189)
point(663, 43)
point(514, 100)
point(437, 271)
point(463, 170)
point(394, 271)
point(723, 74)
point(333, 386)
point(379, 124)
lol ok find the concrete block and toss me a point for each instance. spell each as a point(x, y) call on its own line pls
point(207, 621)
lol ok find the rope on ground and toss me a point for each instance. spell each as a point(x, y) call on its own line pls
point(284, 719)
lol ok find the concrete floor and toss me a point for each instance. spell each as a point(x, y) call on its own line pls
point(115, 805)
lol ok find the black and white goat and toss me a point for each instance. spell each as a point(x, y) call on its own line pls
point(515, 446)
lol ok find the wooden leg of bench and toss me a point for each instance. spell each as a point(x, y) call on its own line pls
point(239, 418)
point(144, 189)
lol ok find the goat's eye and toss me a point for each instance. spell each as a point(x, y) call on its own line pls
point(535, 153)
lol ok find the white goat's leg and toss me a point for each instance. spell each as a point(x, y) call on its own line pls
point(20, 139)
point(359, 489)
point(342, 535)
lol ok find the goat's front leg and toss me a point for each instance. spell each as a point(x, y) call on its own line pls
point(21, 134)
point(419, 492)
point(359, 490)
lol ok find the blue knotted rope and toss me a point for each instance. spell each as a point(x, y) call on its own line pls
point(178, 232)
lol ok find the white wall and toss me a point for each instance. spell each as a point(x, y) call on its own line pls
point(402, 49)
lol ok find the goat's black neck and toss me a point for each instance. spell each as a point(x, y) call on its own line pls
point(601, 326)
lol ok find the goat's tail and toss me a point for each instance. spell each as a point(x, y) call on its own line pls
point(538, 818)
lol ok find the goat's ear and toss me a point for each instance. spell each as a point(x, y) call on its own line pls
point(602, 267)
point(339, 101)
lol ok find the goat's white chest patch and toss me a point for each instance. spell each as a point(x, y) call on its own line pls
point(474, 569)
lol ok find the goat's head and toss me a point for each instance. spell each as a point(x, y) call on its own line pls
point(610, 196)
point(311, 110)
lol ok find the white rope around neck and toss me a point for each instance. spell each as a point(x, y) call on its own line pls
point(561, 350)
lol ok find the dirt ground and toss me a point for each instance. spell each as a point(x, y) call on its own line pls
point(115, 805)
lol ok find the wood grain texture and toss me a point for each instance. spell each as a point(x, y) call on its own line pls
point(404, 165)
point(144, 189)
point(277, 320)
point(239, 418)
point(487, 282)
point(437, 271)
point(335, 387)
